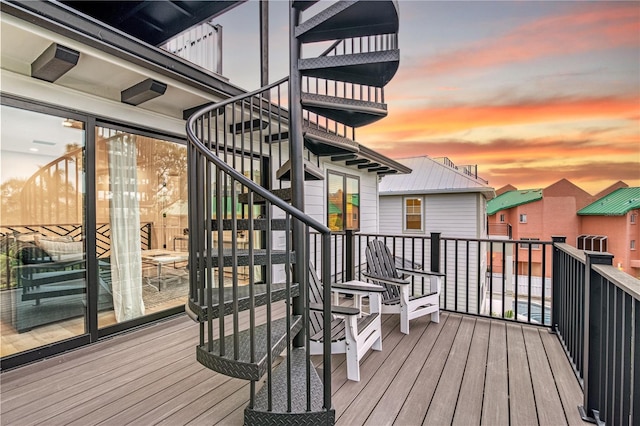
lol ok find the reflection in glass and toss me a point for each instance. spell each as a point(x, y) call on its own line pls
point(141, 213)
point(43, 284)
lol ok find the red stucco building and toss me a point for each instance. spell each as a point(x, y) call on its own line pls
point(604, 222)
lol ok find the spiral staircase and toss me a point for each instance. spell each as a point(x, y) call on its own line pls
point(250, 241)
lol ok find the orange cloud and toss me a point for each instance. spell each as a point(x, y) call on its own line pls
point(521, 151)
point(418, 124)
point(590, 177)
point(587, 30)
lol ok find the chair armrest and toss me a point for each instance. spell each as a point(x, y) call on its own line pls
point(386, 280)
point(357, 287)
point(339, 310)
point(419, 272)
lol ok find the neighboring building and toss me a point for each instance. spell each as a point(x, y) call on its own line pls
point(610, 224)
point(535, 215)
point(439, 197)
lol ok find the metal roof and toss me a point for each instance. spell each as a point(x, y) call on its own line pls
point(431, 177)
point(513, 199)
point(617, 203)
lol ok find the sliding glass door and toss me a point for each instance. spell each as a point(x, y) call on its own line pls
point(141, 214)
point(43, 274)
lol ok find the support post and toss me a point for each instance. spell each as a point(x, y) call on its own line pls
point(349, 249)
point(593, 337)
point(555, 283)
point(296, 157)
point(264, 43)
point(435, 252)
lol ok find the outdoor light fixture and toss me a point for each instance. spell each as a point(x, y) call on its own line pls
point(142, 92)
point(54, 62)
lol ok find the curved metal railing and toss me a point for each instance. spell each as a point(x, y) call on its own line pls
point(228, 153)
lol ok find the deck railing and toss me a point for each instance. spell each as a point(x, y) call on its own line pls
point(596, 314)
point(506, 279)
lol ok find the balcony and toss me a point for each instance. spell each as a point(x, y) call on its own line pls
point(499, 230)
point(478, 365)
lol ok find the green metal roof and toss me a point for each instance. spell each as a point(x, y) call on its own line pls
point(512, 199)
point(617, 203)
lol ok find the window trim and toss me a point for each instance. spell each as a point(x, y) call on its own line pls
point(533, 245)
point(404, 215)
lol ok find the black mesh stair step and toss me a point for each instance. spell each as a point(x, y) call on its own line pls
point(323, 143)
point(351, 112)
point(370, 68)
point(311, 171)
point(240, 365)
point(198, 311)
point(280, 414)
point(346, 19)
point(243, 224)
point(283, 193)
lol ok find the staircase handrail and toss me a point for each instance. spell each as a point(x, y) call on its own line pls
point(194, 140)
point(391, 37)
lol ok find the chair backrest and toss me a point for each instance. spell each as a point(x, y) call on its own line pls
point(380, 262)
point(315, 296)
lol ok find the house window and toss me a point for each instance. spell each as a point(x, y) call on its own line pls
point(502, 218)
point(633, 244)
point(413, 217)
point(523, 218)
point(634, 218)
point(343, 202)
point(532, 245)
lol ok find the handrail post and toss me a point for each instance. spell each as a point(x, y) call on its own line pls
point(296, 148)
point(555, 283)
point(349, 248)
point(435, 252)
point(593, 336)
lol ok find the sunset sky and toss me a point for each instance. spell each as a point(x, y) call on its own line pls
point(531, 92)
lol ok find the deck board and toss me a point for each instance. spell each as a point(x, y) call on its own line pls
point(468, 409)
point(395, 395)
point(464, 370)
point(370, 392)
point(443, 405)
point(495, 407)
point(415, 407)
point(548, 403)
point(566, 383)
point(522, 407)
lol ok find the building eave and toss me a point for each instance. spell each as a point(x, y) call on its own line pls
point(63, 20)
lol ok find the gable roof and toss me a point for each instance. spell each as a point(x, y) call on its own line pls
point(513, 199)
point(431, 177)
point(617, 203)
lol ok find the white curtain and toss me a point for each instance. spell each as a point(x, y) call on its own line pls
point(124, 214)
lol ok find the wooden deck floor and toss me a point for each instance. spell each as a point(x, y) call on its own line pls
point(464, 371)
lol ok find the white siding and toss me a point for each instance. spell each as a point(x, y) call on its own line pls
point(453, 216)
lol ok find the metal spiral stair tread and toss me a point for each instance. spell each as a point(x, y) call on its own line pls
point(350, 19)
point(240, 365)
point(198, 311)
